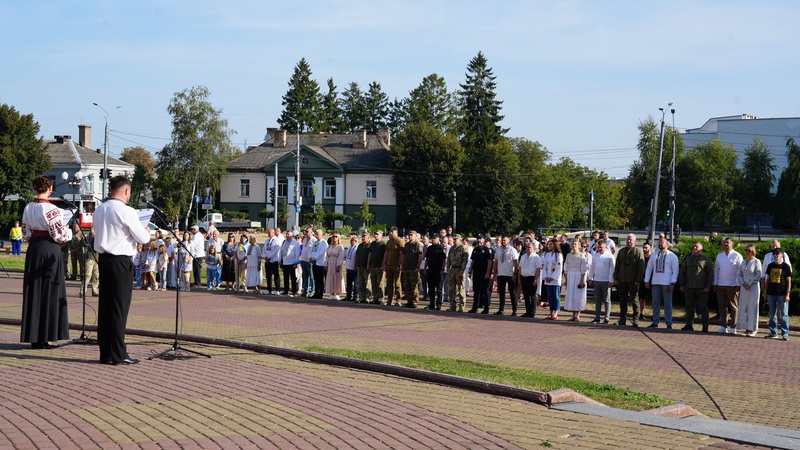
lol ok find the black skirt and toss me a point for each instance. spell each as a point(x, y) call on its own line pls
point(44, 293)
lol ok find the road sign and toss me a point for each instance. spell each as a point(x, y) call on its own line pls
point(207, 199)
point(205, 206)
point(197, 199)
point(298, 208)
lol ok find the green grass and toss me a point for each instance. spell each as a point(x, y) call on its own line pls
point(13, 262)
point(524, 378)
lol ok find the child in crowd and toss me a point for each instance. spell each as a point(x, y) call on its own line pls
point(186, 273)
point(136, 271)
point(212, 262)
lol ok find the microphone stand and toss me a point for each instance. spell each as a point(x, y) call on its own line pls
point(174, 351)
point(84, 338)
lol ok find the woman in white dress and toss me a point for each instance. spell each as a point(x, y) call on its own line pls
point(575, 268)
point(253, 277)
point(749, 278)
point(333, 268)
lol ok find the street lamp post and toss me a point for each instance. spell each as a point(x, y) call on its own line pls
point(105, 151)
point(297, 199)
point(74, 182)
point(672, 186)
point(654, 205)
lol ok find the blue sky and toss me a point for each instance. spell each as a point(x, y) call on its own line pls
point(576, 76)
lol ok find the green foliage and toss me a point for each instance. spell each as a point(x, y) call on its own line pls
point(344, 230)
point(427, 166)
point(315, 217)
point(397, 115)
point(354, 107)
point(23, 156)
point(301, 102)
point(377, 226)
point(331, 113)
point(332, 216)
point(377, 107)
point(495, 202)
point(10, 212)
point(364, 214)
point(195, 159)
point(283, 213)
point(787, 198)
point(143, 174)
point(709, 173)
point(430, 102)
point(264, 214)
point(758, 168)
point(234, 216)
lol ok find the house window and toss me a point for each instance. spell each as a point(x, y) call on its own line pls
point(244, 188)
point(330, 188)
point(282, 188)
point(372, 189)
point(307, 189)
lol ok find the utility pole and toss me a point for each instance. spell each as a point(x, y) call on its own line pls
point(654, 204)
point(105, 151)
point(672, 187)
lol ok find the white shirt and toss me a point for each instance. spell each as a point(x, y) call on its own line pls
point(44, 216)
point(603, 267)
point(505, 261)
point(551, 268)
point(351, 257)
point(307, 247)
point(726, 268)
point(277, 243)
point(663, 267)
point(529, 264)
point(197, 247)
point(290, 252)
point(318, 252)
point(117, 229)
point(217, 243)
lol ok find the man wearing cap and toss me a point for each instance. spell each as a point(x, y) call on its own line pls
point(481, 272)
point(628, 274)
point(290, 257)
point(410, 261)
point(362, 266)
point(391, 266)
point(377, 253)
point(456, 266)
point(198, 252)
point(434, 267)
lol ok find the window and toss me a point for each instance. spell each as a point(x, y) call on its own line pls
point(282, 188)
point(304, 160)
point(330, 188)
point(372, 189)
point(307, 189)
point(244, 188)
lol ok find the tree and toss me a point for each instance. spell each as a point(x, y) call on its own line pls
point(397, 115)
point(377, 107)
point(759, 167)
point(331, 114)
point(364, 214)
point(355, 112)
point(533, 171)
point(301, 102)
point(23, 156)
point(143, 175)
point(316, 217)
point(495, 202)
point(709, 172)
point(195, 159)
point(430, 102)
point(427, 165)
point(638, 190)
point(787, 198)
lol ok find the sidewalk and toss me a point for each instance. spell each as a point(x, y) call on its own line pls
point(239, 398)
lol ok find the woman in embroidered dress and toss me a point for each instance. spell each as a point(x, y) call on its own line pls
point(333, 268)
point(552, 262)
point(253, 278)
point(749, 278)
point(575, 268)
point(44, 293)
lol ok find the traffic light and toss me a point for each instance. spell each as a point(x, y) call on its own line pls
point(271, 194)
point(668, 213)
point(108, 173)
point(102, 174)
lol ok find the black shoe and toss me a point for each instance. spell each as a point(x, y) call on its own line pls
point(641, 317)
point(514, 314)
point(527, 314)
point(595, 321)
point(499, 313)
point(669, 327)
point(705, 329)
point(652, 325)
point(621, 323)
point(127, 361)
point(485, 311)
point(715, 317)
point(605, 321)
point(438, 307)
point(431, 307)
point(472, 311)
point(687, 328)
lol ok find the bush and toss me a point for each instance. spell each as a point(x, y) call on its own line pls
point(378, 226)
point(344, 230)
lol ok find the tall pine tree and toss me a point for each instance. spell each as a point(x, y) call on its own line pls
point(301, 102)
point(480, 119)
point(332, 115)
point(377, 105)
point(430, 102)
point(355, 113)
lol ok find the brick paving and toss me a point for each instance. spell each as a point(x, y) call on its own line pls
point(62, 398)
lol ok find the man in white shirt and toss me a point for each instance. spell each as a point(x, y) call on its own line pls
point(506, 263)
point(661, 275)
point(601, 275)
point(317, 257)
point(351, 285)
point(198, 252)
point(290, 257)
point(308, 278)
point(726, 269)
point(268, 251)
point(530, 269)
point(117, 231)
point(611, 246)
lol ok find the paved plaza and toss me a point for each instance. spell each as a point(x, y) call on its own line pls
point(62, 398)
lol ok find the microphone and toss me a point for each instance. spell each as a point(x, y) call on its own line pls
point(150, 204)
point(69, 203)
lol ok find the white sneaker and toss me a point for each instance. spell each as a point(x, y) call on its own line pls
point(276, 292)
point(732, 330)
point(722, 330)
point(336, 297)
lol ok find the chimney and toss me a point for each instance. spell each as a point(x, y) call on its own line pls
point(360, 139)
point(385, 136)
point(67, 137)
point(59, 139)
point(278, 137)
point(85, 135)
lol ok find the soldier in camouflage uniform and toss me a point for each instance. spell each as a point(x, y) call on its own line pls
point(362, 266)
point(456, 266)
point(410, 262)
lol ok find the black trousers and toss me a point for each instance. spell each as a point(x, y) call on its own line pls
point(350, 284)
point(272, 270)
point(529, 293)
point(289, 275)
point(434, 279)
point(116, 280)
point(503, 283)
point(319, 280)
point(197, 266)
point(480, 287)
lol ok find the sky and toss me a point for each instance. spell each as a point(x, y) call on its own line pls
point(576, 76)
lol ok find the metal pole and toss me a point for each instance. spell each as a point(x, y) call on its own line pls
point(654, 205)
point(672, 187)
point(275, 199)
point(105, 151)
point(454, 209)
point(298, 199)
point(591, 211)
